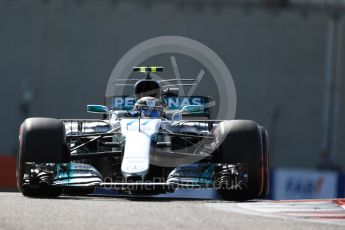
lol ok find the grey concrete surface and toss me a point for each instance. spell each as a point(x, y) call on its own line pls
point(18, 212)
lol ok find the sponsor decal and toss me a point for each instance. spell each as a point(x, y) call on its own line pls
point(173, 103)
point(304, 184)
point(121, 103)
point(180, 102)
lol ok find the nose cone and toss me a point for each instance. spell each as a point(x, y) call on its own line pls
point(136, 158)
point(135, 167)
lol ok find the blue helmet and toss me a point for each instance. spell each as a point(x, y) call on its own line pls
point(149, 107)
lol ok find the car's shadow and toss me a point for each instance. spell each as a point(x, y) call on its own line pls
point(147, 198)
point(141, 198)
point(155, 198)
point(183, 195)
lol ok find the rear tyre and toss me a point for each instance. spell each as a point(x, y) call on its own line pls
point(266, 178)
point(41, 140)
point(239, 141)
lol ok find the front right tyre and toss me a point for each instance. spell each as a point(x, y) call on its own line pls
point(41, 140)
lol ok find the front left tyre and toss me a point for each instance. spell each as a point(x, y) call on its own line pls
point(240, 141)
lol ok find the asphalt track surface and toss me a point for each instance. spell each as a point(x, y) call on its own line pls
point(97, 212)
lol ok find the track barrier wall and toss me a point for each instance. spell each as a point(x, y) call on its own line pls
point(7, 173)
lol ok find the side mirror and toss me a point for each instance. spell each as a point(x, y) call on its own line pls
point(97, 109)
point(177, 116)
point(192, 109)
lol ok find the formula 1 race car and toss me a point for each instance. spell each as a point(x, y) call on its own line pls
point(150, 143)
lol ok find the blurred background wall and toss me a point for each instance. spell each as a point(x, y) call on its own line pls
point(57, 56)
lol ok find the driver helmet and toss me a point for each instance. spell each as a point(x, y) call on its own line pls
point(149, 107)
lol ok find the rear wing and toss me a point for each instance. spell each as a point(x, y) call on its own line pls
point(173, 103)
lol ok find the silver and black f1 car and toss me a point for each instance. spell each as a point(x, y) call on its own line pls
point(151, 143)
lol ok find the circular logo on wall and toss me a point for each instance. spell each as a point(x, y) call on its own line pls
point(190, 66)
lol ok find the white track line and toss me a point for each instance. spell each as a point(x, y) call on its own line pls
point(319, 211)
